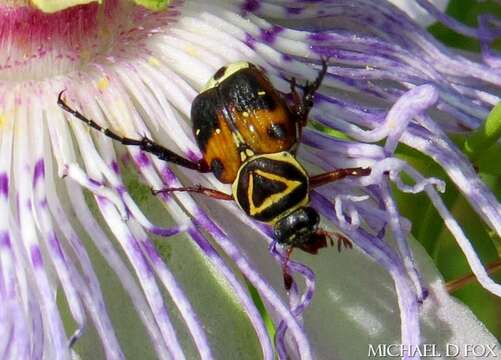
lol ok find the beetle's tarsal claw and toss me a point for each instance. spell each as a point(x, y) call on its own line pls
point(343, 241)
point(60, 100)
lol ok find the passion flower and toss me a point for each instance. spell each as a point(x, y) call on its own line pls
point(137, 71)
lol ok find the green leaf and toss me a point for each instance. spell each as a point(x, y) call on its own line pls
point(51, 6)
point(466, 11)
point(154, 5)
point(485, 136)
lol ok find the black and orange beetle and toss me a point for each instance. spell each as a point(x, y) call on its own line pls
point(248, 134)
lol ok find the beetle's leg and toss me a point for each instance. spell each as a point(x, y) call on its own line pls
point(317, 242)
point(331, 176)
point(302, 105)
point(296, 98)
point(310, 89)
point(199, 189)
point(324, 239)
point(285, 270)
point(165, 154)
point(342, 241)
point(298, 105)
point(144, 144)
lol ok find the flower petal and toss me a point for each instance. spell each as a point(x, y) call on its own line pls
point(417, 13)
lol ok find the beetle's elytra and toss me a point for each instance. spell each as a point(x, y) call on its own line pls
point(248, 134)
point(240, 114)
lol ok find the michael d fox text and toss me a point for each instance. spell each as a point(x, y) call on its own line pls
point(463, 351)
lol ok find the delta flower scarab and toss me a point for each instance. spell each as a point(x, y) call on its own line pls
point(248, 136)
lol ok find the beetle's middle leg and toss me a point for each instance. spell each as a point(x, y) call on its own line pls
point(199, 189)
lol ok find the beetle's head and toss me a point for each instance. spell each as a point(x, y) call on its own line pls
point(300, 229)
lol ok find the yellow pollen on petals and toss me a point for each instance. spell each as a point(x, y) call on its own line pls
point(191, 50)
point(103, 83)
point(3, 121)
point(153, 61)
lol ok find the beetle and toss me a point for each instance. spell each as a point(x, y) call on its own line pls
point(248, 134)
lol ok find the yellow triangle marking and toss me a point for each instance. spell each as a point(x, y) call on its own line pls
point(290, 186)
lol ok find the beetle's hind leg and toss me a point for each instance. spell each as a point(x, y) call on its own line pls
point(62, 104)
point(199, 189)
point(303, 104)
point(310, 89)
point(145, 144)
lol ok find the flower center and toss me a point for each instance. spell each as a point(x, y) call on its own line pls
point(35, 45)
